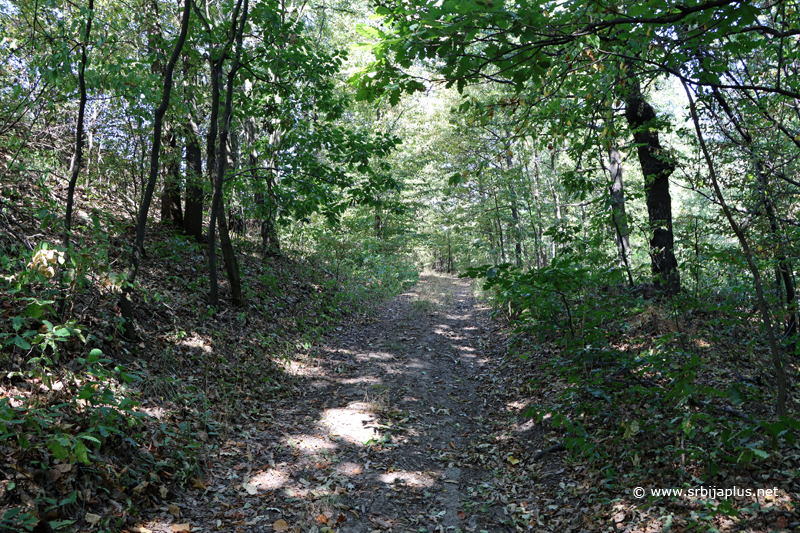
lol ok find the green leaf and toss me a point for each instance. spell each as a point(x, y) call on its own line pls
point(94, 355)
point(90, 439)
point(81, 453)
point(734, 395)
point(21, 343)
point(86, 392)
point(34, 310)
point(59, 452)
point(761, 453)
point(369, 32)
point(69, 499)
point(60, 524)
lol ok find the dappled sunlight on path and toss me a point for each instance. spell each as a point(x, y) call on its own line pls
point(374, 431)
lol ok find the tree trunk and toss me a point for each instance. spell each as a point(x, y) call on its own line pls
point(193, 216)
point(538, 230)
point(656, 168)
point(125, 303)
point(171, 193)
point(269, 230)
point(618, 217)
point(784, 268)
point(777, 359)
point(556, 202)
point(77, 157)
point(217, 204)
point(499, 226)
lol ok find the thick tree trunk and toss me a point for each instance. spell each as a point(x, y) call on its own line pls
point(657, 166)
point(269, 234)
point(193, 215)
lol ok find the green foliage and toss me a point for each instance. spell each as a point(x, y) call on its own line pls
point(100, 412)
point(648, 408)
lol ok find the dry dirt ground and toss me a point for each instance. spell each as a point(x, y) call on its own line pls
point(393, 424)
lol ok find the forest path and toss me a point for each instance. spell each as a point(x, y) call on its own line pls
point(396, 423)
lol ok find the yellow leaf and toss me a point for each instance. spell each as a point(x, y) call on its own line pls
point(513, 460)
point(280, 525)
point(631, 429)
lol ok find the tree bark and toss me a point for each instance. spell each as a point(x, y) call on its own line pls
point(269, 230)
point(125, 303)
point(618, 216)
point(171, 193)
point(784, 268)
point(77, 157)
point(777, 359)
point(193, 216)
point(217, 205)
point(657, 167)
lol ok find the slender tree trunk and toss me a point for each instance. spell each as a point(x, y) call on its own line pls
point(77, 157)
point(211, 165)
point(656, 168)
point(517, 232)
point(777, 359)
point(125, 304)
point(514, 209)
point(784, 268)
point(171, 193)
point(541, 254)
point(556, 206)
point(217, 205)
point(269, 230)
point(618, 217)
point(499, 226)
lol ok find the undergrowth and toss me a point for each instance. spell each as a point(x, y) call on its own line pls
point(668, 392)
point(94, 429)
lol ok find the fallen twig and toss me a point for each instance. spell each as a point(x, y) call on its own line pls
point(552, 449)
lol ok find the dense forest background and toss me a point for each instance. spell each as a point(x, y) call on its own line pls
point(620, 179)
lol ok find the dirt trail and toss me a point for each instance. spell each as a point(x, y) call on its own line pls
point(392, 425)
